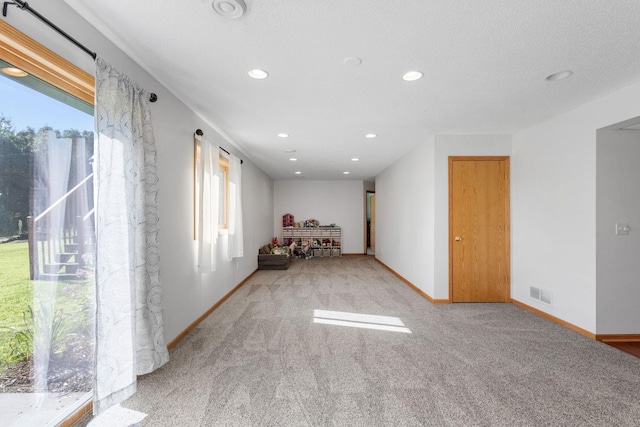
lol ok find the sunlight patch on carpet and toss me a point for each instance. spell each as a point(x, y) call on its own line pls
point(357, 320)
point(117, 416)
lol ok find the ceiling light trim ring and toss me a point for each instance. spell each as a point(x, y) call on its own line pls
point(230, 9)
point(560, 75)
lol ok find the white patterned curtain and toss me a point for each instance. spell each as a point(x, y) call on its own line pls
point(129, 323)
point(235, 208)
point(208, 204)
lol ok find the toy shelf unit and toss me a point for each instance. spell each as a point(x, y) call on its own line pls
point(323, 241)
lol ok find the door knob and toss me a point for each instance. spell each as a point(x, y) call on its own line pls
point(458, 238)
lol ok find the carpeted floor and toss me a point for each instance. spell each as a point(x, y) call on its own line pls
point(260, 359)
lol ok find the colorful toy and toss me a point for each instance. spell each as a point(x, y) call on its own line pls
point(312, 223)
point(287, 220)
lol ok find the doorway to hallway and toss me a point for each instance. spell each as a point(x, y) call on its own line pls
point(371, 222)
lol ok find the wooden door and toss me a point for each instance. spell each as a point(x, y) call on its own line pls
point(372, 242)
point(479, 229)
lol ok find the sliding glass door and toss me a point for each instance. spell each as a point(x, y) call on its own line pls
point(46, 249)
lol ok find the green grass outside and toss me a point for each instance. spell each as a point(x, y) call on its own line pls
point(16, 290)
point(74, 298)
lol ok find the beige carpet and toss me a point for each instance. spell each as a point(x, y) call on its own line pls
point(263, 359)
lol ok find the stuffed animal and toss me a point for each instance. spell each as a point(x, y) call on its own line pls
point(305, 250)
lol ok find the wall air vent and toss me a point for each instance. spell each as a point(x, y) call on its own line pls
point(542, 295)
point(534, 292)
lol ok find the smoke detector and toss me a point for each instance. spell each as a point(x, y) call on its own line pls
point(231, 9)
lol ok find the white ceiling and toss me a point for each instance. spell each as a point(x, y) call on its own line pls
point(484, 65)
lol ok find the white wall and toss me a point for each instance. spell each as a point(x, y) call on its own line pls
point(618, 201)
point(186, 294)
point(330, 202)
point(405, 216)
point(553, 206)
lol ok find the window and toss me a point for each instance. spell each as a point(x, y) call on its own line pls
point(46, 217)
point(223, 189)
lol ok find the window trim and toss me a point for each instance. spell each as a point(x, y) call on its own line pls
point(223, 165)
point(30, 56)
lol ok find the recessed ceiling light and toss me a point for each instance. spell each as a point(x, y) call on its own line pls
point(355, 159)
point(412, 76)
point(370, 135)
point(561, 75)
point(297, 172)
point(231, 9)
point(258, 74)
point(14, 72)
point(293, 159)
point(283, 135)
point(289, 150)
point(346, 172)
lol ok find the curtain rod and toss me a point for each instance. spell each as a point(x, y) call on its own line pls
point(200, 133)
point(23, 5)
